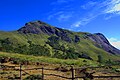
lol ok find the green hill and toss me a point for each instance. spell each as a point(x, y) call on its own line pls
point(40, 39)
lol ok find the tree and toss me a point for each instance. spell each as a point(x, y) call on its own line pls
point(58, 54)
point(100, 58)
point(54, 42)
point(6, 44)
point(21, 49)
point(30, 42)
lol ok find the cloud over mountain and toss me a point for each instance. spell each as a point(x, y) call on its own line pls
point(115, 42)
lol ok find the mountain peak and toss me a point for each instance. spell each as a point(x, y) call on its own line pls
point(36, 24)
point(35, 27)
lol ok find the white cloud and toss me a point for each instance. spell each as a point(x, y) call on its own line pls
point(107, 7)
point(77, 24)
point(113, 7)
point(115, 42)
point(96, 9)
point(60, 16)
point(84, 21)
point(108, 16)
point(113, 39)
point(64, 17)
point(55, 14)
point(89, 5)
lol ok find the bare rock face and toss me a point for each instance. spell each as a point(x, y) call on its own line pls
point(77, 39)
point(103, 42)
point(37, 27)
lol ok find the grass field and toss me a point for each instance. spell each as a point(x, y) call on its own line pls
point(41, 59)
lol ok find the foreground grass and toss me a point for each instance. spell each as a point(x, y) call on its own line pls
point(41, 59)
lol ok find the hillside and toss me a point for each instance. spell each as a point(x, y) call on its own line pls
point(40, 39)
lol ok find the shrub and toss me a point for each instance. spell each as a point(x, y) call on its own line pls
point(100, 58)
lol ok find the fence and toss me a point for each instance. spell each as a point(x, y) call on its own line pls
point(72, 71)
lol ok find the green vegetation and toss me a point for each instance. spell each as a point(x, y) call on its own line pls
point(42, 40)
point(100, 59)
point(51, 46)
point(20, 58)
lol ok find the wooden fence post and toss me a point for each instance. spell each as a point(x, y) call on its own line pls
point(42, 73)
point(20, 72)
point(72, 69)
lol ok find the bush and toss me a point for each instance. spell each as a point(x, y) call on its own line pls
point(85, 56)
point(100, 59)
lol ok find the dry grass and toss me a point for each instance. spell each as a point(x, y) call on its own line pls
point(98, 72)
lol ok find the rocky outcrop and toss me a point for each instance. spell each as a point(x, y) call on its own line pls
point(103, 43)
point(39, 27)
point(77, 39)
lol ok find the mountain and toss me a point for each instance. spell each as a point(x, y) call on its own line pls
point(39, 27)
point(41, 39)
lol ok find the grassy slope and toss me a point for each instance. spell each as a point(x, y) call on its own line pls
point(32, 59)
point(84, 46)
point(22, 38)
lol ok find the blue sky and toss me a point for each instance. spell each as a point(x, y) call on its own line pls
point(77, 15)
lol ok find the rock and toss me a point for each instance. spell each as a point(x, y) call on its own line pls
point(47, 30)
point(63, 35)
point(77, 39)
point(101, 40)
point(39, 27)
